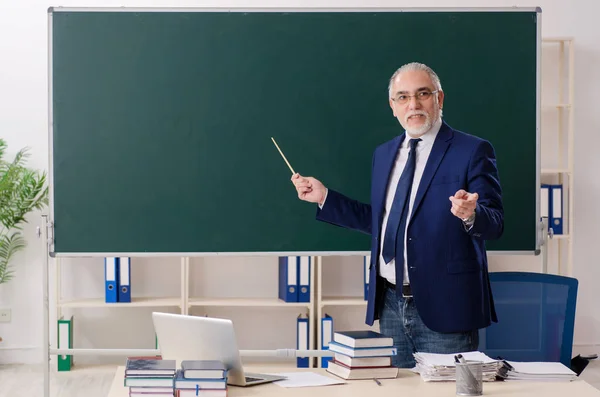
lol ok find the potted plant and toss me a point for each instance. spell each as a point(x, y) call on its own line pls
point(22, 190)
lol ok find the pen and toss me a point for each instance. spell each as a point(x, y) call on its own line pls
point(377, 381)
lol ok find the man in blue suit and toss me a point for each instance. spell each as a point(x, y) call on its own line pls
point(435, 200)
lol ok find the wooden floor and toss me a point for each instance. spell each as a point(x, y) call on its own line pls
point(28, 381)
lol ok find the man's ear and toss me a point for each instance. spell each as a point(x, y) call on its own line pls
point(441, 99)
point(392, 106)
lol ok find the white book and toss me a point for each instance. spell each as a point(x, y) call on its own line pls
point(383, 361)
point(361, 373)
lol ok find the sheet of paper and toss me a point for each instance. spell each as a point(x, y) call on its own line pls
point(307, 379)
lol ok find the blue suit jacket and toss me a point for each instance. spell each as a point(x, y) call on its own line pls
point(448, 265)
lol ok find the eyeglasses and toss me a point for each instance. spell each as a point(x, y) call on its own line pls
point(420, 96)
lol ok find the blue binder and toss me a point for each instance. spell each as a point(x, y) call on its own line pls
point(304, 265)
point(288, 278)
point(110, 280)
point(124, 279)
point(556, 208)
point(326, 337)
point(302, 340)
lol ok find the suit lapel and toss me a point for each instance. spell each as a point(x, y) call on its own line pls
point(440, 145)
point(383, 173)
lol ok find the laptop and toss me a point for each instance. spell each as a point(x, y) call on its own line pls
point(182, 337)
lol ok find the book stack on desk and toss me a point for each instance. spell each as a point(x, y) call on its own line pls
point(362, 355)
point(199, 378)
point(150, 376)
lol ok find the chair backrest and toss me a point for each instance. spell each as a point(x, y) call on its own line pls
point(536, 317)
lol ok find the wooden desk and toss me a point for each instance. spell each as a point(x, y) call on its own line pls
point(407, 384)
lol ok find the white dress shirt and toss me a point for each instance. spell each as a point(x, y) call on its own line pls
point(388, 270)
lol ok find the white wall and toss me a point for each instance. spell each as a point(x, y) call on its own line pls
point(23, 122)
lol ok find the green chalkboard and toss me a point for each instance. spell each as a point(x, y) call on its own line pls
point(161, 120)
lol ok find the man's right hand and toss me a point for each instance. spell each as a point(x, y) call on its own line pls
point(309, 189)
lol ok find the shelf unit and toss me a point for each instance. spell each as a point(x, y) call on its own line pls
point(61, 303)
point(184, 302)
point(558, 100)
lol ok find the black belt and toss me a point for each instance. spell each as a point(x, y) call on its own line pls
point(406, 290)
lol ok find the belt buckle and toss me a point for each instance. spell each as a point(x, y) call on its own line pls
point(406, 291)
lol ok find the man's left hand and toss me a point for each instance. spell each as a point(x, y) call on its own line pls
point(463, 204)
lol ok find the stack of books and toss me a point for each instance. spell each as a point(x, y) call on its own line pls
point(150, 376)
point(201, 378)
point(362, 355)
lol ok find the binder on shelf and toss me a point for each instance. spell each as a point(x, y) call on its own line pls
point(302, 340)
point(288, 278)
point(304, 263)
point(65, 341)
point(326, 337)
point(124, 279)
point(556, 213)
point(110, 280)
point(545, 203)
point(367, 264)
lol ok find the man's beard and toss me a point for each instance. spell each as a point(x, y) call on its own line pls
point(426, 126)
point(423, 128)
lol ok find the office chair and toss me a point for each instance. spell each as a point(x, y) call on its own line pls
point(536, 317)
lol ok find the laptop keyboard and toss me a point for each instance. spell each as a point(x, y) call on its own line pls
point(251, 379)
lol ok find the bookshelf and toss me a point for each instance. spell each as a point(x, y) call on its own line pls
point(557, 142)
point(188, 301)
point(90, 303)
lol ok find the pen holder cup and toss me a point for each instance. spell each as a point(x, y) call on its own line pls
point(469, 378)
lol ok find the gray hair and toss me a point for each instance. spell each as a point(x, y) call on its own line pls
point(416, 66)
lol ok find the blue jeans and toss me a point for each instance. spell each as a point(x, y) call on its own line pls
point(400, 320)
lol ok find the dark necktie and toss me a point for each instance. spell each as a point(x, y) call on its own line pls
point(393, 241)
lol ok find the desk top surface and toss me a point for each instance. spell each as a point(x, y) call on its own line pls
point(406, 384)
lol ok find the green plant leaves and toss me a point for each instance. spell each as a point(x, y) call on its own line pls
point(22, 190)
point(9, 246)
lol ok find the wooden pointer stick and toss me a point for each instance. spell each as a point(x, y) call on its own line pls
point(282, 155)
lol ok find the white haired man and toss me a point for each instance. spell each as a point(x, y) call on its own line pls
point(435, 199)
